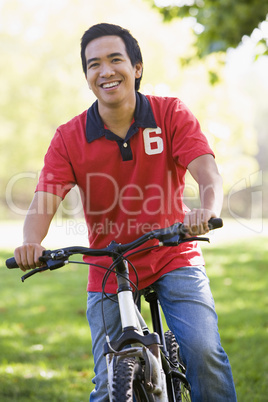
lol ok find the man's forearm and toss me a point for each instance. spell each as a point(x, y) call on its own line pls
point(36, 225)
point(204, 170)
point(39, 216)
point(211, 193)
point(35, 228)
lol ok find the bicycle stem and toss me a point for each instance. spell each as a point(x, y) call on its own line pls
point(126, 302)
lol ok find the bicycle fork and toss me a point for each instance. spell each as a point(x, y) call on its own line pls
point(135, 332)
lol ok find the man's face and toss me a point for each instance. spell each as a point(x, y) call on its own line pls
point(110, 73)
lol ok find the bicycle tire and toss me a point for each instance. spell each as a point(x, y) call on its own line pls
point(127, 382)
point(181, 390)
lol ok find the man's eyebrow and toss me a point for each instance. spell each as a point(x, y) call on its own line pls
point(92, 59)
point(115, 54)
point(110, 56)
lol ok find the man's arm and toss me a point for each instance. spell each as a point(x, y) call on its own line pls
point(204, 170)
point(36, 225)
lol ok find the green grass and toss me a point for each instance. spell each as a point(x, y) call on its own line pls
point(45, 348)
point(44, 336)
point(239, 281)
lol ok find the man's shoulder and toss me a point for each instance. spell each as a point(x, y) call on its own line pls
point(78, 122)
point(162, 101)
point(164, 106)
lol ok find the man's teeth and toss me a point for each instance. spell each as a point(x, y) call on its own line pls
point(111, 84)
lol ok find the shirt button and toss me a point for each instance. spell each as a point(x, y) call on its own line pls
point(125, 145)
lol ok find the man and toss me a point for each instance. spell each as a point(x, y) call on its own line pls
point(129, 153)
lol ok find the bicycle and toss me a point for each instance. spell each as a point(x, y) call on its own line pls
point(140, 363)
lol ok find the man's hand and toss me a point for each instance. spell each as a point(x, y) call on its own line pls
point(27, 256)
point(196, 221)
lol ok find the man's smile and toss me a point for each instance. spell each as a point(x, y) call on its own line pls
point(110, 85)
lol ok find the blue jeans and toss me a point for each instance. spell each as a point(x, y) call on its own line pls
point(188, 306)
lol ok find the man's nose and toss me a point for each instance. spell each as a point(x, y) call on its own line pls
point(106, 70)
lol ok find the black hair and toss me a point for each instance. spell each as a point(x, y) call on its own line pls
point(104, 29)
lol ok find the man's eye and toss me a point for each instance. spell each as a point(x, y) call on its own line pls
point(93, 65)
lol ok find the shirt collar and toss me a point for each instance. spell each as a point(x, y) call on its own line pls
point(143, 117)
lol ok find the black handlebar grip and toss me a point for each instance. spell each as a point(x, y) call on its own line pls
point(11, 263)
point(215, 223)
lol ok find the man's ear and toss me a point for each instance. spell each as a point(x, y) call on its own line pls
point(138, 70)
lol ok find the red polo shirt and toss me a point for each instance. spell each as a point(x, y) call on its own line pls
point(129, 187)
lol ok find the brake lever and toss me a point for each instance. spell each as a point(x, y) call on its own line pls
point(195, 238)
point(176, 240)
point(34, 271)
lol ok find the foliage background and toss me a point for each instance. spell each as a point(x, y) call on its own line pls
point(218, 24)
point(42, 86)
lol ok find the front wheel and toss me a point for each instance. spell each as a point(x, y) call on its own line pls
point(128, 382)
point(181, 388)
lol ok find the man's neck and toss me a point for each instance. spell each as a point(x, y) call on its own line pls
point(118, 118)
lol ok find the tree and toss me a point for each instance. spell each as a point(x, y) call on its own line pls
point(218, 24)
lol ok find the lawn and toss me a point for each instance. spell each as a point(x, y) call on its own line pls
point(45, 341)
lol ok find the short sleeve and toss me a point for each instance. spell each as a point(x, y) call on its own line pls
point(188, 141)
point(57, 176)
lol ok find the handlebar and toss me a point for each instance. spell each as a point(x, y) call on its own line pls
point(169, 237)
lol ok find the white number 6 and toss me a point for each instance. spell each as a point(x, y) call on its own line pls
point(153, 145)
